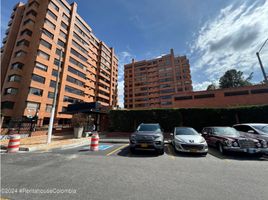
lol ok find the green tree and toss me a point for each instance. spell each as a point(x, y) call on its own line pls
point(212, 86)
point(233, 78)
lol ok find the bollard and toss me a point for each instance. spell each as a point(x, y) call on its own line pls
point(94, 145)
point(14, 144)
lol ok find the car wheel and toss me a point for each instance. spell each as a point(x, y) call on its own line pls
point(204, 154)
point(160, 151)
point(221, 149)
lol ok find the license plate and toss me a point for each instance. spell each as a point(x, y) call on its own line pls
point(193, 150)
point(144, 145)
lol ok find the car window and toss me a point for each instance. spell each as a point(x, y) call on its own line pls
point(243, 128)
point(262, 128)
point(185, 131)
point(149, 127)
point(226, 131)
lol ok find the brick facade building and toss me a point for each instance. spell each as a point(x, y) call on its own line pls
point(37, 33)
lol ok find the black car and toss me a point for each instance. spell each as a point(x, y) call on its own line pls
point(147, 136)
point(229, 139)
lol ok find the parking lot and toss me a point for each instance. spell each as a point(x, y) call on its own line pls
point(115, 173)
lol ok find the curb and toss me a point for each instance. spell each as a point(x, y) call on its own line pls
point(44, 147)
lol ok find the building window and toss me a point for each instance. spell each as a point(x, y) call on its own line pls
point(33, 105)
point(51, 14)
point(50, 95)
point(31, 12)
point(74, 52)
point(61, 43)
point(65, 17)
point(46, 44)
point(71, 100)
point(50, 24)
point(75, 81)
point(54, 6)
point(43, 55)
point(37, 78)
point(54, 72)
point(75, 62)
point(17, 65)
point(62, 34)
point(12, 91)
point(14, 78)
point(66, 9)
point(36, 91)
point(58, 52)
point(74, 90)
point(20, 53)
point(26, 32)
point(28, 21)
point(47, 33)
point(48, 108)
point(63, 25)
point(7, 105)
point(57, 61)
point(41, 66)
point(76, 72)
point(52, 84)
point(79, 47)
point(236, 93)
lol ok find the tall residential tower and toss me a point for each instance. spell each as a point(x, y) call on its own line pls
point(37, 33)
point(154, 83)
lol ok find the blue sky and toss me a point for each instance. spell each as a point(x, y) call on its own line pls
point(216, 35)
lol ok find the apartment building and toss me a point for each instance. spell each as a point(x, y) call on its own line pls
point(154, 83)
point(38, 33)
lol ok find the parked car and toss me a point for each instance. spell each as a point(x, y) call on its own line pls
point(186, 139)
point(254, 130)
point(147, 136)
point(229, 139)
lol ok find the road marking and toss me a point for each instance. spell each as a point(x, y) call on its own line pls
point(117, 149)
point(170, 155)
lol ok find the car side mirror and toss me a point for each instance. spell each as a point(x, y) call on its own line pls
point(250, 131)
point(171, 134)
point(204, 133)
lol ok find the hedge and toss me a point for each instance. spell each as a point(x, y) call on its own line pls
point(128, 120)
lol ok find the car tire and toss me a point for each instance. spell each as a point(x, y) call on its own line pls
point(160, 151)
point(221, 149)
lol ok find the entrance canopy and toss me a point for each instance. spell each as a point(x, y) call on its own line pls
point(92, 107)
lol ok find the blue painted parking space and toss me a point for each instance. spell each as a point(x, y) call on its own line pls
point(102, 147)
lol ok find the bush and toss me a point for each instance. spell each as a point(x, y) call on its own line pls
point(128, 120)
point(79, 120)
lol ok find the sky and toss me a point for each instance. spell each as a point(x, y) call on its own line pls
point(216, 35)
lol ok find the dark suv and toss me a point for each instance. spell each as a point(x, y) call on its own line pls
point(147, 136)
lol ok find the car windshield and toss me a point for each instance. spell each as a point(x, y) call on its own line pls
point(149, 127)
point(228, 131)
point(262, 128)
point(185, 131)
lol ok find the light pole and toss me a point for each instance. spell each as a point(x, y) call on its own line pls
point(51, 120)
point(262, 68)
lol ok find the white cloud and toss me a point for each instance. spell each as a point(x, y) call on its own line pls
point(201, 86)
point(231, 40)
point(124, 58)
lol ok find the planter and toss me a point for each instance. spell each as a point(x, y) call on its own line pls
point(78, 131)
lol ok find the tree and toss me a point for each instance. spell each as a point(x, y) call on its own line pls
point(212, 86)
point(233, 78)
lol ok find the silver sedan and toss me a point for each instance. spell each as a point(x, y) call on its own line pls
point(186, 139)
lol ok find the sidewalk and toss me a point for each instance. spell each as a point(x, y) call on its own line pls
point(40, 142)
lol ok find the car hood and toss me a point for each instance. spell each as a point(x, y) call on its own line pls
point(147, 133)
point(241, 137)
point(190, 138)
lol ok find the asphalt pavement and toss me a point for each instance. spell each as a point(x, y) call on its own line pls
point(115, 173)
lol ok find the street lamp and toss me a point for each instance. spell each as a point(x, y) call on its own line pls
point(262, 68)
point(51, 120)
